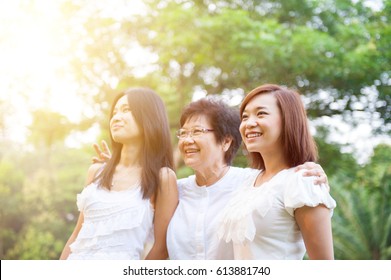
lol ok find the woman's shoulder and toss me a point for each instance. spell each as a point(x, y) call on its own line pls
point(302, 191)
point(243, 173)
point(93, 172)
point(291, 174)
point(167, 177)
point(292, 181)
point(167, 173)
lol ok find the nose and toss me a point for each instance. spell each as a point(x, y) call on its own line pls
point(251, 122)
point(188, 138)
point(116, 117)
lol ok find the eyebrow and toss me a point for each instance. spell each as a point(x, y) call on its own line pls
point(121, 106)
point(190, 128)
point(256, 108)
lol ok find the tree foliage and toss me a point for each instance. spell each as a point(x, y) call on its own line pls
point(337, 53)
point(362, 220)
point(338, 47)
point(37, 200)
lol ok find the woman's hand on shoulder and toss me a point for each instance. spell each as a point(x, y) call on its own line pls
point(314, 169)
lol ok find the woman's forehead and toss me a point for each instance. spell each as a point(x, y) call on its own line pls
point(122, 101)
point(197, 120)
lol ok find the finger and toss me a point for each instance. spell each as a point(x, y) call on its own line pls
point(323, 184)
point(106, 148)
point(104, 156)
point(97, 148)
point(318, 180)
point(96, 160)
point(310, 172)
point(321, 179)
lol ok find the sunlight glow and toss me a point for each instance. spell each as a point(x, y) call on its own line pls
point(35, 70)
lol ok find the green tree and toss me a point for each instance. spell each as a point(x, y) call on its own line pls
point(38, 200)
point(333, 160)
point(33, 244)
point(336, 52)
point(337, 47)
point(11, 222)
point(48, 128)
point(362, 219)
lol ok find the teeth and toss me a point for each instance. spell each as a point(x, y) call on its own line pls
point(252, 135)
point(190, 151)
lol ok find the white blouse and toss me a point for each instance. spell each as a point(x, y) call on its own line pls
point(260, 220)
point(117, 224)
point(192, 232)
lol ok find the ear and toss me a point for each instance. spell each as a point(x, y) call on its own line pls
point(227, 143)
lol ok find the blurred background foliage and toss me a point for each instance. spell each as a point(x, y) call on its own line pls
point(336, 53)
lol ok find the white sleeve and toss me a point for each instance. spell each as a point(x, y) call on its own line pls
point(303, 192)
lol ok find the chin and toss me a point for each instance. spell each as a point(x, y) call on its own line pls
point(190, 163)
point(254, 150)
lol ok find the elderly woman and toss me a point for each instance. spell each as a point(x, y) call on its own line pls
point(209, 138)
point(208, 141)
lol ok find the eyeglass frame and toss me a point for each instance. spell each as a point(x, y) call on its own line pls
point(190, 132)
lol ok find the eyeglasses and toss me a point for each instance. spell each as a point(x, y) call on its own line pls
point(194, 132)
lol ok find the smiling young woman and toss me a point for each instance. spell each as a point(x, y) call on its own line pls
point(279, 213)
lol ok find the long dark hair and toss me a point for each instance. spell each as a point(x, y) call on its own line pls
point(150, 115)
point(298, 144)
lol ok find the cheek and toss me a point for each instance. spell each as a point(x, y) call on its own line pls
point(277, 128)
point(180, 146)
point(242, 128)
point(278, 124)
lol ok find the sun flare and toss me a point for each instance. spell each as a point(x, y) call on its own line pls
point(35, 51)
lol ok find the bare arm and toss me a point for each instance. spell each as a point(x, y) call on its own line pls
point(166, 203)
point(66, 251)
point(315, 226)
point(314, 169)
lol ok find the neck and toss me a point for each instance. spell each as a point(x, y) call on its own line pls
point(211, 176)
point(273, 164)
point(130, 156)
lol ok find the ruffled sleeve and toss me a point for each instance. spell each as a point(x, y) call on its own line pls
point(303, 192)
point(81, 198)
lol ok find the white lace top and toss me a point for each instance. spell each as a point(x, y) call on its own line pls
point(260, 221)
point(117, 224)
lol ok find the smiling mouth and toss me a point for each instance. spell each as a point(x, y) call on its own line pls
point(191, 151)
point(253, 135)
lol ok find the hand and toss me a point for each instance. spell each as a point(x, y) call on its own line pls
point(314, 169)
point(104, 154)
